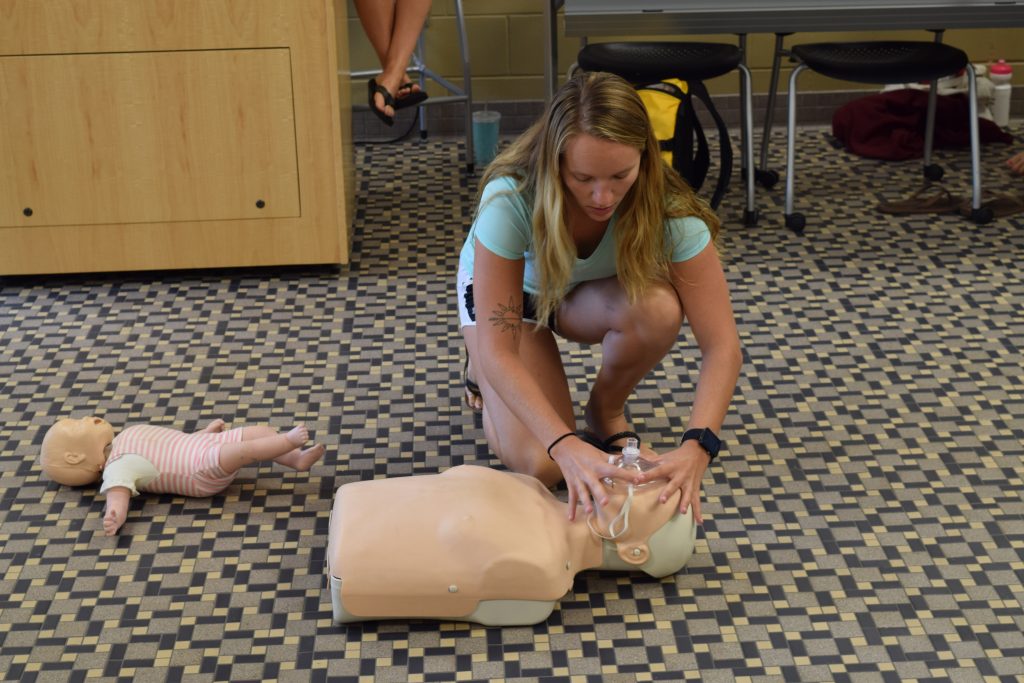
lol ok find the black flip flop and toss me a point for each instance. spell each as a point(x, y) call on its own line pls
point(607, 445)
point(389, 101)
point(471, 386)
point(414, 98)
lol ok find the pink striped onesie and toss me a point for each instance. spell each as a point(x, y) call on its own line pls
point(186, 464)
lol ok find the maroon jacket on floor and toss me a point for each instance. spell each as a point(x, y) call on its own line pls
point(891, 125)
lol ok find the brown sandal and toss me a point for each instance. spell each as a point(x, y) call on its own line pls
point(928, 199)
point(1001, 203)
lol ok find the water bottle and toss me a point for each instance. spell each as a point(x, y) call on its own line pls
point(1001, 74)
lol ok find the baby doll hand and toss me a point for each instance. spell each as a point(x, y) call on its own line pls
point(117, 509)
point(113, 519)
point(214, 427)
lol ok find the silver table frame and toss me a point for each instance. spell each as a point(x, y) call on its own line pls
point(614, 17)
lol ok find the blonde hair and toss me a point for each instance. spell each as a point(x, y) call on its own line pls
point(606, 107)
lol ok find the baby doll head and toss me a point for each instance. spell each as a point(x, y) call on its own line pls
point(75, 451)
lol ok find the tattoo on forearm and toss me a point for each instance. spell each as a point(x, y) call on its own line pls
point(508, 318)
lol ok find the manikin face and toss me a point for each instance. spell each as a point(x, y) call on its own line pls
point(598, 174)
point(75, 451)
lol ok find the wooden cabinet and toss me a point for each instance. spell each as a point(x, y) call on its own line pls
point(160, 134)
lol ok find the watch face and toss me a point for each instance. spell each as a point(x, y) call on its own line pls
point(706, 438)
point(710, 442)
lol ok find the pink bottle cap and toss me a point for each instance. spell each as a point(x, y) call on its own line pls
point(1000, 68)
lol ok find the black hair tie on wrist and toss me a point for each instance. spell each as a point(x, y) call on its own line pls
point(557, 441)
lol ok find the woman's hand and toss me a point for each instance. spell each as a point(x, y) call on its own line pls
point(583, 467)
point(684, 468)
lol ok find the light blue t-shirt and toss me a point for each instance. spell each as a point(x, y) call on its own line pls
point(504, 226)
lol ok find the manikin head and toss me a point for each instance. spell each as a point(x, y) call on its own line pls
point(639, 532)
point(75, 451)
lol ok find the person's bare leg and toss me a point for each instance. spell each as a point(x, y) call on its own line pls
point(634, 338)
point(378, 20)
point(258, 445)
point(410, 15)
point(509, 438)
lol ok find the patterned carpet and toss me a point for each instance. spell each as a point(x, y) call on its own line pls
point(865, 524)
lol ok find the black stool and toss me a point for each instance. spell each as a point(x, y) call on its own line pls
point(643, 63)
point(884, 62)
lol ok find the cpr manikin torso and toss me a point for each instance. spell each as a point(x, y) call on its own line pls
point(477, 544)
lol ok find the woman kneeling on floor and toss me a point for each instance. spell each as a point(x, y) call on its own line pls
point(583, 230)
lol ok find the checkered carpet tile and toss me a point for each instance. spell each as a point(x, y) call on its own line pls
point(865, 524)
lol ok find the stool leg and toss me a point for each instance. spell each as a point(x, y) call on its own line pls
point(978, 214)
point(466, 85)
point(750, 214)
point(743, 100)
point(417, 58)
point(769, 178)
point(929, 125)
point(794, 221)
point(931, 171)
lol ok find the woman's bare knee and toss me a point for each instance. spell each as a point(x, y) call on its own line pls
point(658, 315)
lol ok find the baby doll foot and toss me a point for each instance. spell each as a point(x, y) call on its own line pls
point(309, 457)
point(298, 435)
point(302, 461)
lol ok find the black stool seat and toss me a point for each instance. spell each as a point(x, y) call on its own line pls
point(882, 62)
point(887, 62)
point(655, 61)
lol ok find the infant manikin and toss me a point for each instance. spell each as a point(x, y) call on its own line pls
point(492, 547)
point(162, 460)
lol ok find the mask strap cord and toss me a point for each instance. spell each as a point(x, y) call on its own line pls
point(623, 516)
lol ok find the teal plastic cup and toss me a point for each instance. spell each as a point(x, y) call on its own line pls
point(486, 125)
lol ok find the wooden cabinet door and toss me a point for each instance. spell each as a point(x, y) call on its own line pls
point(147, 137)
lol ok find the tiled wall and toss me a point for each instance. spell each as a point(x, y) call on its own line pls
point(506, 50)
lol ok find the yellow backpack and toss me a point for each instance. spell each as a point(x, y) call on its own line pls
point(684, 146)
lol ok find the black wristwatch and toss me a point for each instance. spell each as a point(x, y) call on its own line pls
point(706, 438)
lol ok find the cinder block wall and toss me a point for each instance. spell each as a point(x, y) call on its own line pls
point(506, 51)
